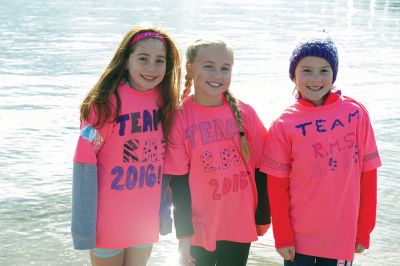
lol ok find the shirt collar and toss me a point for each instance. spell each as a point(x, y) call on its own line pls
point(331, 98)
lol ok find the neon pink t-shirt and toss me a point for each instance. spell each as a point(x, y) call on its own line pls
point(204, 142)
point(323, 150)
point(129, 156)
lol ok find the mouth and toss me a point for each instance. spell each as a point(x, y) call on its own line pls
point(315, 88)
point(148, 77)
point(214, 84)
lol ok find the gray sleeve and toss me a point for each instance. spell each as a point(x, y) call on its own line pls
point(84, 206)
point(165, 206)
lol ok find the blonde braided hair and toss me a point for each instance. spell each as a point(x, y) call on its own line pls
point(191, 54)
point(188, 85)
point(234, 104)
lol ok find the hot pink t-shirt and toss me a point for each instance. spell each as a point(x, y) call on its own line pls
point(204, 142)
point(323, 150)
point(129, 155)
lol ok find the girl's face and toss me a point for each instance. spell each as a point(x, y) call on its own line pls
point(146, 64)
point(313, 78)
point(211, 71)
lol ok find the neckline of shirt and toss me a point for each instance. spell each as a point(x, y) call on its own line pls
point(191, 100)
point(129, 89)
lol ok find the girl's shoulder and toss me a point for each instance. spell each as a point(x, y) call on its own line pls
point(292, 110)
point(355, 103)
point(354, 108)
point(244, 105)
point(184, 106)
point(183, 111)
point(246, 108)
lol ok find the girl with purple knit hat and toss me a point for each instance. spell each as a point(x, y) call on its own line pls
point(321, 160)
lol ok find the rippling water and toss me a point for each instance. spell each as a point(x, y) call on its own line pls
point(52, 52)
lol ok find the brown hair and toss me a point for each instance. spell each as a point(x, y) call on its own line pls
point(191, 53)
point(115, 73)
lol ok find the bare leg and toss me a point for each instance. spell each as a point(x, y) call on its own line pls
point(117, 260)
point(137, 256)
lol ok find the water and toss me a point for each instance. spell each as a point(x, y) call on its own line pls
point(52, 52)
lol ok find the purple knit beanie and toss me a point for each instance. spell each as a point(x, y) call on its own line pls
point(320, 45)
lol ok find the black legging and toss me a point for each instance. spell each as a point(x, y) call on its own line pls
point(305, 260)
point(227, 253)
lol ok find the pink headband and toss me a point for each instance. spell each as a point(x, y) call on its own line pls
point(146, 35)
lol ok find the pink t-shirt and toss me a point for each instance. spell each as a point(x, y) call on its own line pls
point(204, 142)
point(323, 150)
point(129, 155)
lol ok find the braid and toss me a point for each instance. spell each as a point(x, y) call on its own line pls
point(188, 85)
point(233, 103)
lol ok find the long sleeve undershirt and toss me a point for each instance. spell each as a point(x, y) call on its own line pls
point(165, 206)
point(84, 206)
point(278, 191)
point(182, 202)
point(367, 212)
point(263, 215)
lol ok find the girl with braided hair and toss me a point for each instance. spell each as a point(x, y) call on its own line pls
point(213, 152)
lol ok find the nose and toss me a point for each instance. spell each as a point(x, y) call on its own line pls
point(151, 66)
point(217, 73)
point(316, 76)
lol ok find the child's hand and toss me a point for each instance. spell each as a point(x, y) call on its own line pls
point(262, 229)
point(287, 253)
point(359, 248)
point(184, 251)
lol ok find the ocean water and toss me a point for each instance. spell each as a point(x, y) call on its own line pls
point(52, 52)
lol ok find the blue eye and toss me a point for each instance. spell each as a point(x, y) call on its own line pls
point(226, 69)
point(160, 61)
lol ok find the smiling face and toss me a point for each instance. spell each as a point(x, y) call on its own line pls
point(211, 71)
point(313, 78)
point(146, 64)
